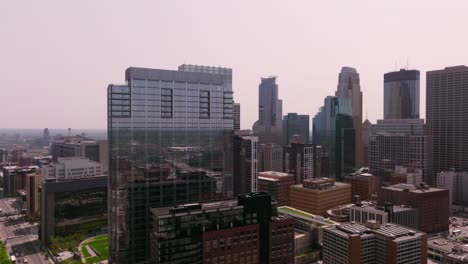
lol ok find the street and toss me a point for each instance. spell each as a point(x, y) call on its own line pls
point(21, 237)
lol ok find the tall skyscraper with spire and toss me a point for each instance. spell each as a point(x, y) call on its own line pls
point(268, 127)
point(349, 87)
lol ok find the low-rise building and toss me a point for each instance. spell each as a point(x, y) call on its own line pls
point(401, 215)
point(362, 183)
point(354, 243)
point(73, 198)
point(14, 178)
point(246, 230)
point(448, 251)
point(432, 204)
point(277, 184)
point(316, 196)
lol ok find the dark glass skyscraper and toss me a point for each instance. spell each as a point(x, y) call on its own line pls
point(294, 124)
point(333, 130)
point(169, 138)
point(270, 110)
point(401, 94)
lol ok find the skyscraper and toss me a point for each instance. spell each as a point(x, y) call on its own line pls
point(401, 94)
point(268, 127)
point(237, 116)
point(169, 138)
point(398, 142)
point(302, 160)
point(294, 124)
point(349, 87)
point(333, 130)
point(245, 155)
point(447, 118)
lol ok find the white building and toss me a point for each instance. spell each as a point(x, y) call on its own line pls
point(456, 183)
point(72, 168)
point(413, 176)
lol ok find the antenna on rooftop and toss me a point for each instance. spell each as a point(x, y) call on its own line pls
point(69, 132)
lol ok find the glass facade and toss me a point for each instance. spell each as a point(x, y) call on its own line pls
point(169, 138)
point(269, 126)
point(294, 124)
point(82, 211)
point(333, 130)
point(401, 95)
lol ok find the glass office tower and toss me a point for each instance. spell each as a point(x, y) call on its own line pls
point(333, 130)
point(401, 94)
point(169, 142)
point(269, 125)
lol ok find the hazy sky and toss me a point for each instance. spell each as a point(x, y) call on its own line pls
point(57, 57)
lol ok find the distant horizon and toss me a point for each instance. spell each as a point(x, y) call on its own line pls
point(56, 73)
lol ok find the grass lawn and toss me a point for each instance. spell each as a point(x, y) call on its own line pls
point(100, 244)
point(4, 257)
point(85, 252)
point(294, 211)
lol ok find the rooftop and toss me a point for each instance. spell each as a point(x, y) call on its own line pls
point(404, 187)
point(301, 214)
point(193, 208)
point(273, 173)
point(389, 231)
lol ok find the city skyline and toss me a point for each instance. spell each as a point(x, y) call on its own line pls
point(82, 55)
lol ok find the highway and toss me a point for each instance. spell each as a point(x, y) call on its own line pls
point(19, 235)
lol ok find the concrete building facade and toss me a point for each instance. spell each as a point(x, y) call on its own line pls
point(277, 184)
point(316, 196)
point(354, 243)
point(270, 157)
point(304, 161)
point(432, 204)
point(245, 164)
point(446, 108)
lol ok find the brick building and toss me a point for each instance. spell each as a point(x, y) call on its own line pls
point(277, 184)
point(432, 204)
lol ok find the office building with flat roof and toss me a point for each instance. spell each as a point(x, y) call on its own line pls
point(316, 196)
point(432, 204)
point(304, 161)
point(362, 183)
point(389, 213)
point(399, 142)
point(73, 198)
point(270, 157)
point(277, 184)
point(170, 137)
point(446, 108)
point(353, 243)
point(246, 230)
point(245, 164)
